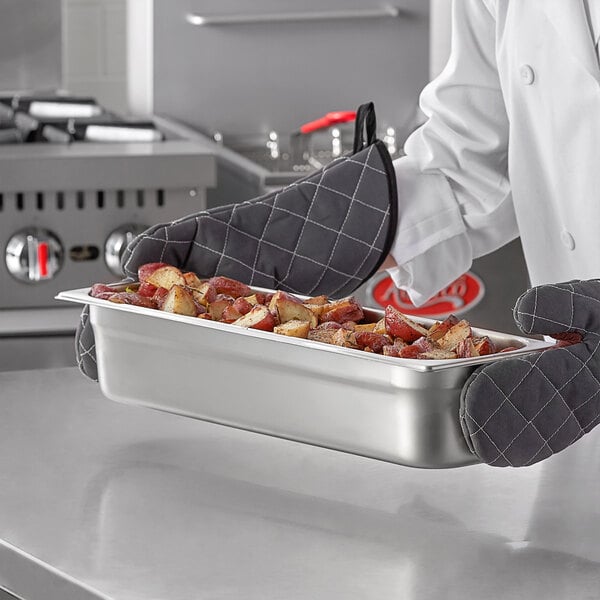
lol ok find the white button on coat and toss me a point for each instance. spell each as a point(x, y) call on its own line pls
point(484, 122)
point(527, 74)
point(567, 239)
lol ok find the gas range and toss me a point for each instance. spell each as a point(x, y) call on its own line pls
point(69, 207)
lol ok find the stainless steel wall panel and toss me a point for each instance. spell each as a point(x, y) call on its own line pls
point(253, 77)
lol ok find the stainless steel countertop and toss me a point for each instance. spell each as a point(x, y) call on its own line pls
point(39, 321)
point(102, 500)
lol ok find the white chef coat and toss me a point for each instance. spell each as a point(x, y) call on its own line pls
point(592, 9)
point(511, 146)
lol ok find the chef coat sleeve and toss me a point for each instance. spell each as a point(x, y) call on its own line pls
point(454, 196)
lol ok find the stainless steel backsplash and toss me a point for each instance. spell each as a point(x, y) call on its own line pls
point(253, 77)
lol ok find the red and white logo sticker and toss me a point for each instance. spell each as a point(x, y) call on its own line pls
point(459, 296)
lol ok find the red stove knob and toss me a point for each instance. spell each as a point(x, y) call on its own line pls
point(34, 255)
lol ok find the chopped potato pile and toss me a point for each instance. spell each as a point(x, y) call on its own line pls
point(340, 322)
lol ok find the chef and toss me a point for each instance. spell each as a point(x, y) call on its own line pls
point(508, 149)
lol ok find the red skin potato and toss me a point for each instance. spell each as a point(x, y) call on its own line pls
point(204, 294)
point(144, 271)
point(288, 308)
point(180, 301)
point(424, 344)
point(466, 349)
point(484, 346)
point(456, 334)
point(277, 296)
point(325, 336)
point(261, 297)
point(398, 325)
point(132, 298)
point(242, 305)
point(375, 341)
point(343, 311)
point(218, 306)
point(200, 308)
point(230, 314)
point(260, 317)
point(147, 289)
point(391, 350)
point(192, 280)
point(410, 351)
point(329, 325)
point(102, 291)
point(232, 287)
point(345, 338)
point(105, 295)
point(440, 329)
point(166, 277)
point(159, 296)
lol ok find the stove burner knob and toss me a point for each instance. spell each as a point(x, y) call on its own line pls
point(117, 242)
point(34, 255)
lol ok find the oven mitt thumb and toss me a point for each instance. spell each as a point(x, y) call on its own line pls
point(324, 234)
point(519, 411)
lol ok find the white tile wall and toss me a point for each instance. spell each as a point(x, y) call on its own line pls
point(95, 50)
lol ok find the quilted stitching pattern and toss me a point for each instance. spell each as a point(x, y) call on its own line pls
point(325, 234)
point(519, 411)
point(85, 346)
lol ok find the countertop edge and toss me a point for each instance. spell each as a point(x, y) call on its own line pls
point(28, 577)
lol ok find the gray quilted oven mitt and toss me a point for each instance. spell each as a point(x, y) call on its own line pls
point(519, 411)
point(325, 234)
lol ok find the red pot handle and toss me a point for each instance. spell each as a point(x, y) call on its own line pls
point(331, 118)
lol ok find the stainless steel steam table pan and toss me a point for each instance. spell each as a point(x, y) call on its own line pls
point(403, 411)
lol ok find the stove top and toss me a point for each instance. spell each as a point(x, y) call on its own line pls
point(26, 118)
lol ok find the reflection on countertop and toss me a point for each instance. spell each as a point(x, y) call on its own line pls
point(121, 502)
